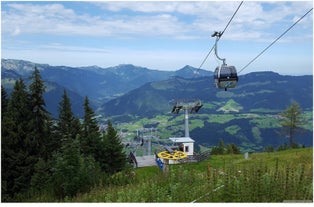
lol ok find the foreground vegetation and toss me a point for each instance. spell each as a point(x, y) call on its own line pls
point(265, 177)
point(56, 158)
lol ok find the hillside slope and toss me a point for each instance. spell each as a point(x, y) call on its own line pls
point(246, 115)
point(262, 90)
point(264, 177)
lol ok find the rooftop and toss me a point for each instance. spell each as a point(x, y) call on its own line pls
point(181, 139)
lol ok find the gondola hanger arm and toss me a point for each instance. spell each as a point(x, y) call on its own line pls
point(218, 35)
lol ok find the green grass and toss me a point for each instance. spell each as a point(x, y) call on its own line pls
point(231, 106)
point(233, 129)
point(220, 118)
point(264, 177)
point(257, 135)
point(264, 110)
point(266, 121)
point(203, 148)
point(308, 117)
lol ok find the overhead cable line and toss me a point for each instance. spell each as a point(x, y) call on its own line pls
point(232, 18)
point(201, 65)
point(275, 41)
point(220, 35)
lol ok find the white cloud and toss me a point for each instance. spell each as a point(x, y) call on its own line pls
point(154, 19)
point(56, 20)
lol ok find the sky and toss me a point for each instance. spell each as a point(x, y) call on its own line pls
point(162, 35)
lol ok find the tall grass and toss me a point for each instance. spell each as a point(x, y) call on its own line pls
point(256, 182)
point(264, 177)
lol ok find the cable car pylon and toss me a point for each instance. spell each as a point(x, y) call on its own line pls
point(192, 107)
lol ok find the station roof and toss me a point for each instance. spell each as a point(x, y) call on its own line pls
point(181, 139)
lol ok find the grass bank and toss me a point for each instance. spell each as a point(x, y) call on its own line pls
point(263, 177)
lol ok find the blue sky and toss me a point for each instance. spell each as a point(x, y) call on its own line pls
point(159, 35)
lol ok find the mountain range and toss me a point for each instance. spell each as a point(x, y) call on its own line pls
point(256, 90)
point(135, 97)
point(99, 84)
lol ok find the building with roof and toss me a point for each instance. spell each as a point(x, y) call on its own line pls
point(185, 144)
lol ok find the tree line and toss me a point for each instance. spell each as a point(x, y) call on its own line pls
point(64, 157)
point(221, 149)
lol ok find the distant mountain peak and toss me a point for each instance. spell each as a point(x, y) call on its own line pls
point(188, 71)
point(92, 67)
point(128, 66)
point(264, 73)
point(188, 67)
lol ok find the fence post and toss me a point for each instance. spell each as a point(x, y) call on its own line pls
point(208, 171)
point(246, 155)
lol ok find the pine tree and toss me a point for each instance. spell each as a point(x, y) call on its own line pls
point(68, 126)
point(221, 147)
point(4, 101)
point(40, 122)
point(17, 154)
point(233, 149)
point(72, 172)
point(91, 137)
point(66, 169)
point(90, 124)
point(116, 158)
point(41, 176)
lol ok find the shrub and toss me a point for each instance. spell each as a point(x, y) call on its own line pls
point(269, 148)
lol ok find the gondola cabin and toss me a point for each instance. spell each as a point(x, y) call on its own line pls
point(225, 77)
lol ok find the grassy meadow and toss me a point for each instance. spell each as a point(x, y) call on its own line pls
point(283, 176)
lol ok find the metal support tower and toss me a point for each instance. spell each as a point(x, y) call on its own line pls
point(188, 107)
point(186, 125)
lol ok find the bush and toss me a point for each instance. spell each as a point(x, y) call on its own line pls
point(283, 147)
point(292, 146)
point(269, 148)
point(233, 149)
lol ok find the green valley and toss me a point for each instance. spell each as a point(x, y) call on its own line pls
point(248, 130)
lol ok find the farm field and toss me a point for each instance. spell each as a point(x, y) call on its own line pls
point(285, 176)
point(251, 131)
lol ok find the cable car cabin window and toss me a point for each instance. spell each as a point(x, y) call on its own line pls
point(225, 77)
point(216, 73)
point(228, 72)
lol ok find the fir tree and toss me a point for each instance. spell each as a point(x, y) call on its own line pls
point(116, 158)
point(91, 137)
point(17, 154)
point(72, 172)
point(41, 176)
point(90, 124)
point(68, 126)
point(40, 122)
point(4, 101)
point(65, 171)
point(221, 147)
point(233, 149)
